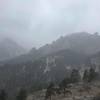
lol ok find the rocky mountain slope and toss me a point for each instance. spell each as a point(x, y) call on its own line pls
point(37, 74)
point(81, 42)
point(51, 62)
point(10, 49)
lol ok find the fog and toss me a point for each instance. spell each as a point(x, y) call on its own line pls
point(33, 23)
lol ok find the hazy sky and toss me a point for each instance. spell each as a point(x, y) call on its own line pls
point(36, 22)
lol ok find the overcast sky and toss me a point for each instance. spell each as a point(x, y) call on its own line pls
point(36, 22)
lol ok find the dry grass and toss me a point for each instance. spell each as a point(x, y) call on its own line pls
point(76, 94)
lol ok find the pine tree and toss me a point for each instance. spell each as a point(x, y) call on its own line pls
point(21, 95)
point(92, 75)
point(85, 76)
point(3, 95)
point(64, 84)
point(50, 91)
point(75, 76)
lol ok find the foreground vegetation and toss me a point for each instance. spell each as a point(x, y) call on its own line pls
point(74, 87)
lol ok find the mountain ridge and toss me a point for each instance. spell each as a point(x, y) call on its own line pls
point(10, 49)
point(52, 62)
point(81, 42)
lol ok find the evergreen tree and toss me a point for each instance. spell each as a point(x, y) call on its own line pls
point(85, 76)
point(22, 95)
point(92, 75)
point(64, 84)
point(50, 91)
point(3, 95)
point(75, 76)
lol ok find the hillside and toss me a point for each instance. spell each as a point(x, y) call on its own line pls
point(10, 49)
point(75, 90)
point(82, 42)
point(53, 67)
point(52, 62)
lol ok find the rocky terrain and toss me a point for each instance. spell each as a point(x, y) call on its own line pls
point(51, 62)
point(78, 93)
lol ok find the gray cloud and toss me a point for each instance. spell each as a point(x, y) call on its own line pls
point(36, 22)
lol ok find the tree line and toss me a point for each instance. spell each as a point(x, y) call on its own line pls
point(22, 95)
point(75, 77)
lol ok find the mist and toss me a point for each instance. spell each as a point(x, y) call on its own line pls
point(33, 23)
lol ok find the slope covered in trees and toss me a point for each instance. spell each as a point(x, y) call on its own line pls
point(82, 42)
point(50, 63)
